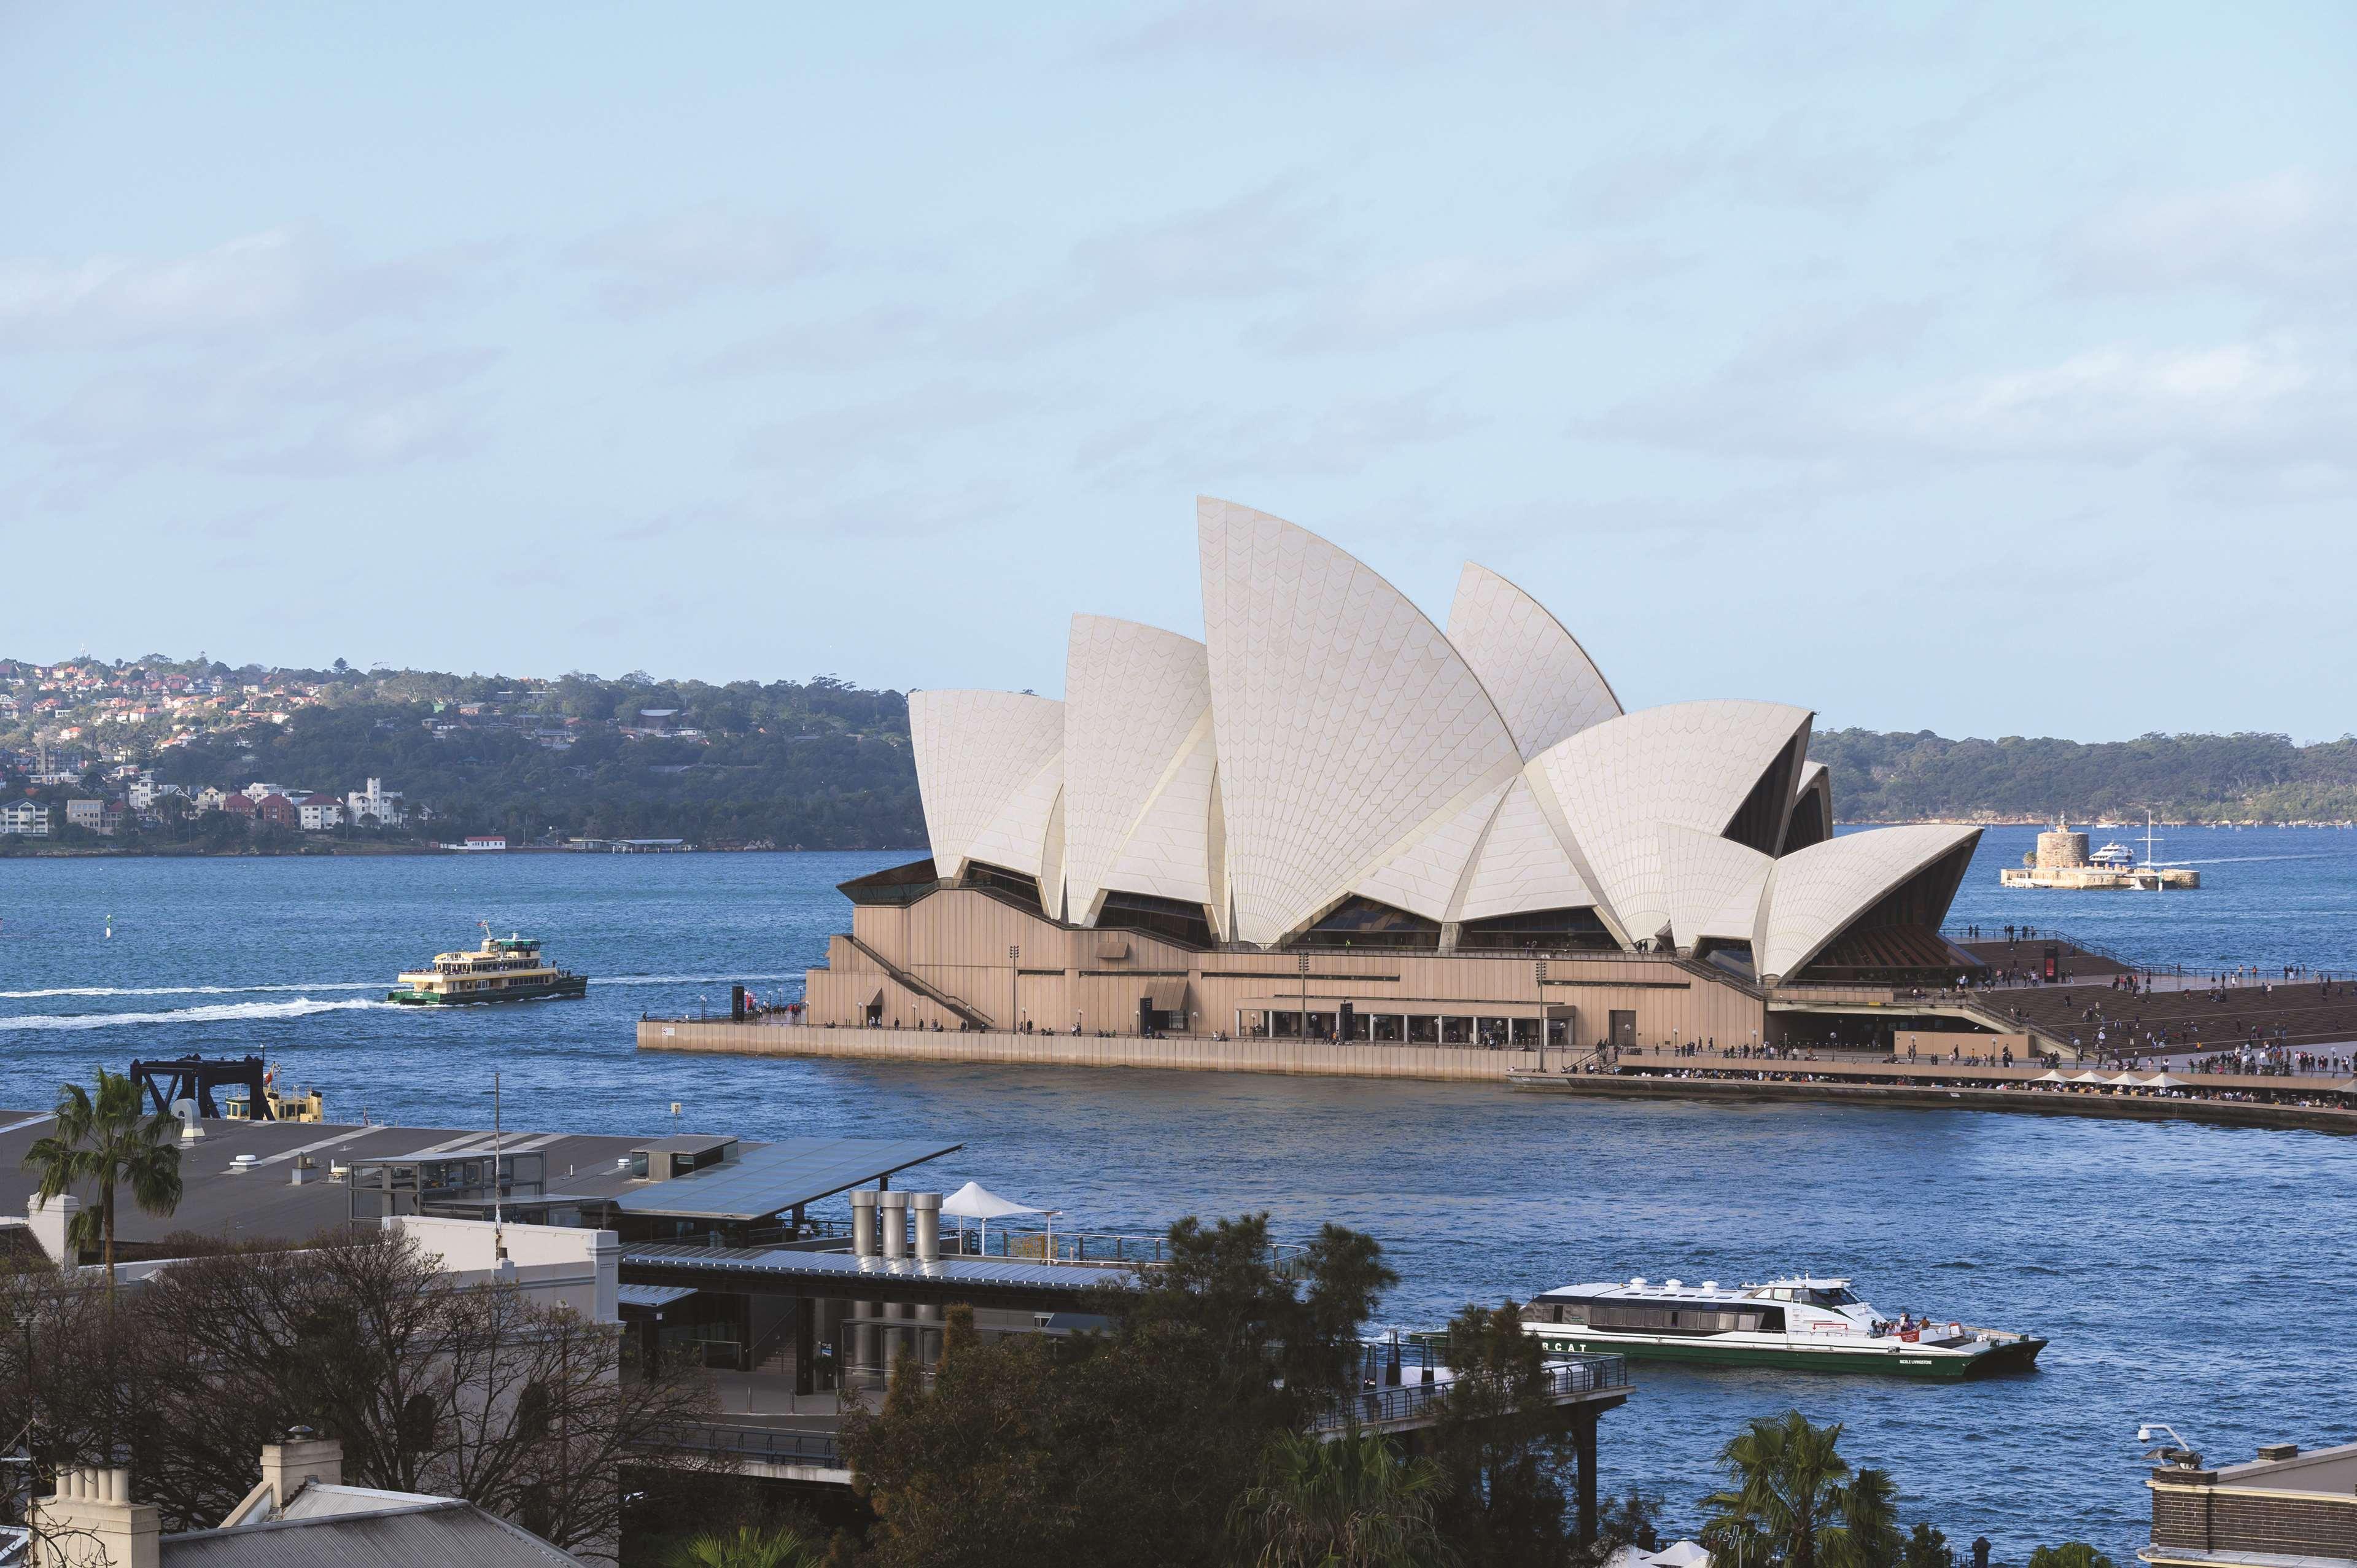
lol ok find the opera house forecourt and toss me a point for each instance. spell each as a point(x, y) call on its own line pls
point(1331, 821)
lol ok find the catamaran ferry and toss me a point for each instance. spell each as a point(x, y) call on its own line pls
point(1800, 1322)
point(504, 969)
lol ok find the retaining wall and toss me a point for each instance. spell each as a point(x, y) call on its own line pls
point(1183, 1053)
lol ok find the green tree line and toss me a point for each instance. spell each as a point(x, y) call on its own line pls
point(821, 765)
point(1881, 778)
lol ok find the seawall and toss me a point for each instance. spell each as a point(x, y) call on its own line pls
point(1182, 1053)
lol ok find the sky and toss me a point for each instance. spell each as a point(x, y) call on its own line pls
point(1984, 368)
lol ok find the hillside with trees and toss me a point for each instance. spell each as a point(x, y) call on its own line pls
point(821, 765)
point(1883, 777)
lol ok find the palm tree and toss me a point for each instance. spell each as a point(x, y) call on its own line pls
point(1350, 1503)
point(107, 1143)
point(749, 1548)
point(1786, 1491)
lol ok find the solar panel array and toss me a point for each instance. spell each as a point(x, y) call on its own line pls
point(774, 1178)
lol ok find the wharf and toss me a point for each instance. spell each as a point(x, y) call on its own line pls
point(2311, 1103)
point(1196, 1053)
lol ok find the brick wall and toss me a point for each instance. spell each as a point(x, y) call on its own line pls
point(2204, 1518)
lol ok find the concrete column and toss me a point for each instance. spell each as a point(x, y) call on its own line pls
point(927, 1208)
point(892, 1218)
point(858, 1346)
point(805, 1347)
point(1583, 1433)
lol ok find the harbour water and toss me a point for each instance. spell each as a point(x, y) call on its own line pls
point(2186, 1274)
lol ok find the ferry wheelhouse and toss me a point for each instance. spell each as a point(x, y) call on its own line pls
point(504, 969)
point(1799, 1322)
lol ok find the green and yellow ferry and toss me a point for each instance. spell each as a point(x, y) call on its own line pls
point(1818, 1325)
point(504, 969)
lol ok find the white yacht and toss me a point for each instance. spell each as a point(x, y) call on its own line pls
point(1806, 1322)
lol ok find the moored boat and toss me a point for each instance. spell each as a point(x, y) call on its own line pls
point(504, 969)
point(1799, 1322)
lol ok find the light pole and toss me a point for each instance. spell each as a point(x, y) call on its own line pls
point(1538, 972)
point(1014, 957)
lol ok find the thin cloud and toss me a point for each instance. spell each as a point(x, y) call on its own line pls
point(1195, 446)
point(274, 281)
point(2290, 234)
point(1462, 294)
point(656, 262)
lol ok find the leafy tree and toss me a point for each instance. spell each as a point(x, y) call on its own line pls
point(1927, 1548)
point(2070, 1554)
point(1352, 1502)
point(107, 1143)
point(750, 1548)
point(1502, 1443)
point(1628, 1520)
point(1134, 1446)
point(1792, 1501)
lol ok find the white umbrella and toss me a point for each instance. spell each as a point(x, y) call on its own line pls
point(2091, 1077)
point(975, 1201)
point(2050, 1076)
point(2168, 1081)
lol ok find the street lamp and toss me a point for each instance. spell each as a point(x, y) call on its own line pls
point(1538, 973)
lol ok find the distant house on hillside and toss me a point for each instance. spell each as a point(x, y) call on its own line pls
point(278, 811)
point(239, 806)
point(24, 818)
point(90, 815)
point(319, 812)
point(376, 805)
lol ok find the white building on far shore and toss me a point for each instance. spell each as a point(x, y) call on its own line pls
point(378, 802)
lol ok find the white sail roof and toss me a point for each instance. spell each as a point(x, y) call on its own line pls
point(1345, 721)
point(1139, 760)
point(989, 766)
point(1712, 882)
point(1521, 865)
point(1689, 764)
point(1544, 683)
point(1813, 893)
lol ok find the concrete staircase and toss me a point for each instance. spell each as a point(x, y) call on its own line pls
point(924, 988)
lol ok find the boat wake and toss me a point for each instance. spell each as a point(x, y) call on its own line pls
point(306, 986)
point(189, 990)
point(212, 1013)
point(595, 980)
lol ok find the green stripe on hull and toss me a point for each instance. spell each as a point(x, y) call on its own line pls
point(579, 986)
point(1945, 1369)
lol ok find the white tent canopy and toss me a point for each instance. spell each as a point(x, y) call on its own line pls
point(975, 1201)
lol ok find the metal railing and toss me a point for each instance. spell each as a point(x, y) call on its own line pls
point(1562, 1379)
point(819, 1448)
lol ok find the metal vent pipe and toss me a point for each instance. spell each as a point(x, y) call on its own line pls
point(927, 1208)
point(862, 1224)
point(893, 1216)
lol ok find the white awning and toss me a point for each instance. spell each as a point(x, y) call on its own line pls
point(975, 1201)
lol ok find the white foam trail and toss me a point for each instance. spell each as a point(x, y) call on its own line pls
point(213, 1013)
point(683, 979)
point(194, 990)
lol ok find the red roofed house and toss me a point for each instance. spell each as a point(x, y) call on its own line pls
point(238, 806)
point(278, 811)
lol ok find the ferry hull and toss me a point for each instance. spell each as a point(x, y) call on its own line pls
point(2013, 1355)
point(569, 985)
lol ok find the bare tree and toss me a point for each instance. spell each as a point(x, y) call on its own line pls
point(473, 1391)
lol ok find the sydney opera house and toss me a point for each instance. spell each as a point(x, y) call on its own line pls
point(1332, 819)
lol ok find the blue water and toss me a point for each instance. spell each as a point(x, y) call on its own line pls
point(2187, 1274)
